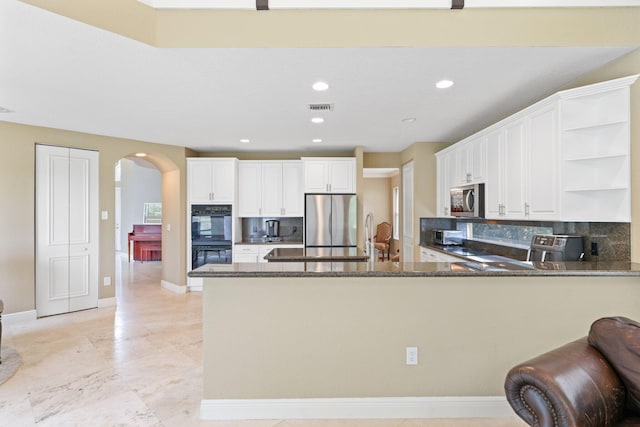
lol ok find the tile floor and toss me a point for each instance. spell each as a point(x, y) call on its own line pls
point(139, 364)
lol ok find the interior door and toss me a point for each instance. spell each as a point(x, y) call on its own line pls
point(407, 212)
point(66, 230)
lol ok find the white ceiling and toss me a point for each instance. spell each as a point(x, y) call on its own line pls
point(60, 73)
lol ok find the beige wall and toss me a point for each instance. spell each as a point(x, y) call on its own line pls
point(346, 337)
point(357, 28)
point(424, 184)
point(377, 199)
point(17, 161)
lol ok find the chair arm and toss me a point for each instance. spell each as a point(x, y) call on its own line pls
point(571, 386)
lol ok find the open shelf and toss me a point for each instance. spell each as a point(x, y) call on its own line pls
point(597, 173)
point(597, 141)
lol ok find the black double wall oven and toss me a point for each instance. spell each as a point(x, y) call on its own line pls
point(210, 235)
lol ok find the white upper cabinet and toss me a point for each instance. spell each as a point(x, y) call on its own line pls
point(543, 157)
point(249, 189)
point(522, 175)
point(515, 163)
point(270, 188)
point(471, 162)
point(329, 175)
point(293, 188)
point(443, 197)
point(564, 158)
point(494, 185)
point(211, 180)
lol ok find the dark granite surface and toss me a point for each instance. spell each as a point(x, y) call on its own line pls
point(419, 269)
point(316, 254)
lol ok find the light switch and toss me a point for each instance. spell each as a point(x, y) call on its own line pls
point(105, 215)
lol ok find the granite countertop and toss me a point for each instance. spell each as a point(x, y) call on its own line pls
point(468, 254)
point(316, 254)
point(417, 269)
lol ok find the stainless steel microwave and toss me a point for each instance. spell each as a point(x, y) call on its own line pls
point(468, 201)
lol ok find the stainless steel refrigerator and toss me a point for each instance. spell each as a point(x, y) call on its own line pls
point(331, 220)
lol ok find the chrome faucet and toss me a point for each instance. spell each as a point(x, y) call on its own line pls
point(368, 229)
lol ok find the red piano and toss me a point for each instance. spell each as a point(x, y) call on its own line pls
point(147, 242)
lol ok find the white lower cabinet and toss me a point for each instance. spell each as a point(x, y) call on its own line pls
point(429, 255)
point(256, 253)
point(245, 253)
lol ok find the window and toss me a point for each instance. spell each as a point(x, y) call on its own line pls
point(396, 213)
point(152, 213)
point(503, 234)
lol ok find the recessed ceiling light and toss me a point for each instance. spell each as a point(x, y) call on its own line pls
point(409, 120)
point(316, 140)
point(245, 141)
point(317, 120)
point(141, 154)
point(443, 84)
point(320, 86)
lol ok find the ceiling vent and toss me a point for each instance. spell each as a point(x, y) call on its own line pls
point(321, 107)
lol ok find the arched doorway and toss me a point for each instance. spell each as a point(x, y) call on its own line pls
point(138, 203)
point(169, 196)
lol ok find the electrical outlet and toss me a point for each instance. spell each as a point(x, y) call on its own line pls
point(106, 280)
point(412, 355)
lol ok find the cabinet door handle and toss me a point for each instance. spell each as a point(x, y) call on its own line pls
point(446, 211)
point(468, 177)
point(526, 209)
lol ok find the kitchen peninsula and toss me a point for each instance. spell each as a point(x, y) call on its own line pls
point(329, 340)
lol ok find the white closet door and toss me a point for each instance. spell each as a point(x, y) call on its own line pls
point(66, 230)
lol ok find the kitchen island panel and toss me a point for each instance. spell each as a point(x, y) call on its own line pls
point(306, 337)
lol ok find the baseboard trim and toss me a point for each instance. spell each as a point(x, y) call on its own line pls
point(19, 317)
point(195, 284)
point(107, 302)
point(173, 287)
point(350, 408)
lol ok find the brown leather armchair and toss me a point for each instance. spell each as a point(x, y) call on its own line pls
point(571, 386)
point(382, 239)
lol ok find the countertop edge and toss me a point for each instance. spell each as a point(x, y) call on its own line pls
point(443, 273)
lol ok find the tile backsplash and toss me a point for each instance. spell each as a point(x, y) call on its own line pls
point(254, 229)
point(613, 238)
